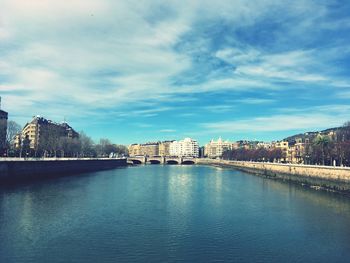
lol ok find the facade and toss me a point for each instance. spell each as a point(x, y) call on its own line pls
point(215, 149)
point(3, 131)
point(265, 145)
point(134, 149)
point(284, 146)
point(40, 131)
point(186, 147)
point(297, 151)
point(150, 149)
point(146, 149)
point(17, 140)
point(164, 148)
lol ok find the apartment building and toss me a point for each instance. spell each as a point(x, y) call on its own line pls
point(150, 149)
point(284, 146)
point(186, 147)
point(164, 148)
point(40, 130)
point(134, 149)
point(215, 149)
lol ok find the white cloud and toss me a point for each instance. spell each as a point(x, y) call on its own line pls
point(219, 108)
point(343, 95)
point(238, 56)
point(86, 55)
point(291, 66)
point(256, 101)
point(168, 130)
point(312, 118)
point(277, 123)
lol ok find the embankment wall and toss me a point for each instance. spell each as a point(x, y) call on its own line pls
point(16, 170)
point(335, 178)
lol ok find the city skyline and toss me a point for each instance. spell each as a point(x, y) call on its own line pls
point(138, 72)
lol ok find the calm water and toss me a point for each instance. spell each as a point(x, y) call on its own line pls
point(172, 213)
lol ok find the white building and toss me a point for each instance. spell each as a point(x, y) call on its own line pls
point(215, 149)
point(186, 147)
point(265, 145)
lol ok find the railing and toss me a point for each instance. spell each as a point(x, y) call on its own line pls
point(11, 159)
point(271, 163)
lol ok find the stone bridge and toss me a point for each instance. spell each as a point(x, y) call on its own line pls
point(161, 160)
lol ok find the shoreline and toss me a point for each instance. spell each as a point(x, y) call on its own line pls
point(331, 179)
point(20, 170)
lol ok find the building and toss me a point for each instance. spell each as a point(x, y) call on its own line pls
point(17, 140)
point(41, 132)
point(145, 149)
point(134, 149)
point(164, 148)
point(215, 149)
point(186, 147)
point(3, 130)
point(150, 149)
point(284, 146)
point(264, 145)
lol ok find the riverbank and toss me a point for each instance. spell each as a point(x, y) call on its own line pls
point(318, 177)
point(13, 170)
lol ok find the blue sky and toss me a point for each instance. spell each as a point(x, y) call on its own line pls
point(136, 71)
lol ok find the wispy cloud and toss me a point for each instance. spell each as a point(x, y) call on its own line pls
point(343, 94)
point(276, 123)
point(168, 130)
point(256, 101)
point(219, 108)
point(315, 118)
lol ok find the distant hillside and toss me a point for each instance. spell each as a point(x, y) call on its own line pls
point(291, 139)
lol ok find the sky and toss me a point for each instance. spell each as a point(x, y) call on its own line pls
point(138, 71)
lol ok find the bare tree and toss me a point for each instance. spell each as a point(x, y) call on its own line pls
point(2, 136)
point(69, 147)
point(13, 128)
point(87, 148)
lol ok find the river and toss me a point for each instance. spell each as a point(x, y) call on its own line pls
point(157, 213)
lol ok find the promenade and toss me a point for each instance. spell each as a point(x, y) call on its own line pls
point(325, 177)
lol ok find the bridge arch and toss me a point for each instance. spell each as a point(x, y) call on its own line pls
point(188, 162)
point(172, 162)
point(135, 161)
point(154, 161)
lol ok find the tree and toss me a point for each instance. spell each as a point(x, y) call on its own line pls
point(87, 148)
point(13, 128)
point(344, 133)
point(121, 149)
point(69, 147)
point(25, 147)
point(322, 141)
point(104, 147)
point(49, 140)
point(2, 136)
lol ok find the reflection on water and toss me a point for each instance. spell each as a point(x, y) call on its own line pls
point(172, 213)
